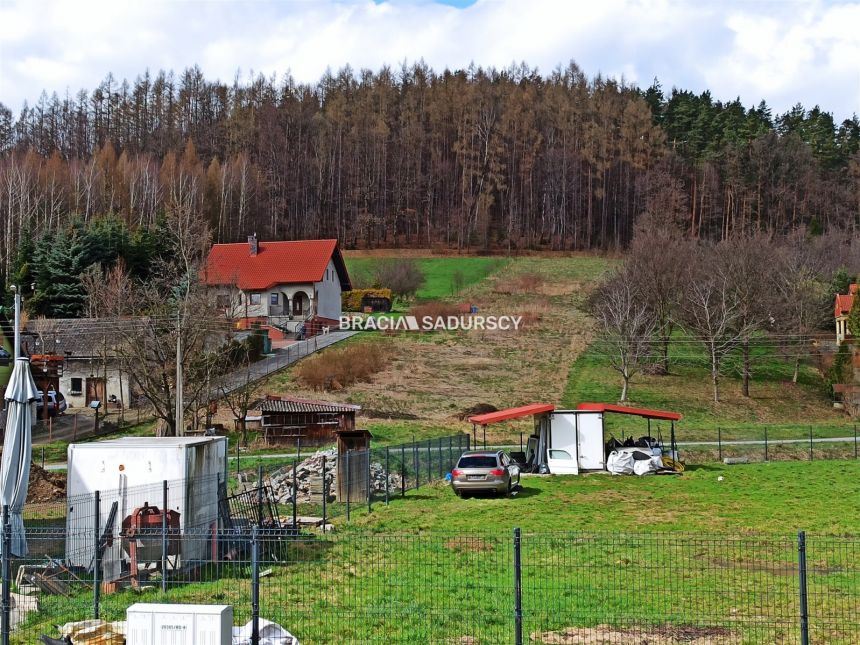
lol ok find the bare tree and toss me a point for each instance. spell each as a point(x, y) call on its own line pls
point(239, 393)
point(749, 263)
point(173, 322)
point(656, 264)
point(711, 311)
point(800, 282)
point(627, 327)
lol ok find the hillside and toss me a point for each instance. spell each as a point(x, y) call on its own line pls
point(433, 378)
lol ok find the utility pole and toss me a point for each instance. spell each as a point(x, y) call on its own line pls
point(180, 427)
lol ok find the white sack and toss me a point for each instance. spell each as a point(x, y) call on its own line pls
point(647, 466)
point(270, 634)
point(620, 463)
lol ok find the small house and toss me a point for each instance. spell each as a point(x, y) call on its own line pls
point(303, 421)
point(286, 286)
point(844, 302)
point(80, 357)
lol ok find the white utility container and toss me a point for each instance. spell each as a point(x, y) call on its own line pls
point(130, 471)
point(157, 624)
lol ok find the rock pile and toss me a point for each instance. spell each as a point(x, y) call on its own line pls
point(309, 482)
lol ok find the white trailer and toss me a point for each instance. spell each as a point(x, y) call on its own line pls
point(130, 472)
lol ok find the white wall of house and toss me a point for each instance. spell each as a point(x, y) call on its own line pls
point(328, 294)
point(117, 384)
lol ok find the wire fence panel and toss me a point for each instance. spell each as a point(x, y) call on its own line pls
point(488, 587)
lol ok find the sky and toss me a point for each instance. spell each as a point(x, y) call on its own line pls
point(782, 51)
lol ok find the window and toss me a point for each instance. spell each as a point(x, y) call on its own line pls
point(273, 299)
point(559, 454)
point(478, 461)
point(255, 299)
point(77, 386)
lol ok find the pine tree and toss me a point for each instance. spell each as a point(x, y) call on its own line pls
point(854, 317)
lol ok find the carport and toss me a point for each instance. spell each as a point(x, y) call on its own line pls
point(533, 409)
point(572, 441)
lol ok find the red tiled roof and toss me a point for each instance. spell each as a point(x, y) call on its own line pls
point(845, 301)
point(511, 413)
point(623, 409)
point(287, 262)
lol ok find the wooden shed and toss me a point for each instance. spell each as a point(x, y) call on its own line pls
point(311, 423)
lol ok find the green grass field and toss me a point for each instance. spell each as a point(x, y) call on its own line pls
point(689, 551)
point(439, 273)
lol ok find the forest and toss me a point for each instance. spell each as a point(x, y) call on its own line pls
point(484, 160)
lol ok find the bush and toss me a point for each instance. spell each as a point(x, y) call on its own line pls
point(402, 276)
point(335, 369)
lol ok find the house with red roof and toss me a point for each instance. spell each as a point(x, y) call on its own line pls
point(844, 302)
point(284, 285)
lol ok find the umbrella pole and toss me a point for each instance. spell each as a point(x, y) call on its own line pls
point(7, 576)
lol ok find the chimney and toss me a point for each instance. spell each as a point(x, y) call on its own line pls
point(253, 245)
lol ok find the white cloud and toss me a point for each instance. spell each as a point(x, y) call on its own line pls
point(783, 52)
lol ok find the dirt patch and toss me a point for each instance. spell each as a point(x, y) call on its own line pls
point(660, 635)
point(45, 486)
point(469, 545)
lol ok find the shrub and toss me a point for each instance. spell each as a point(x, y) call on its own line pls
point(402, 276)
point(338, 368)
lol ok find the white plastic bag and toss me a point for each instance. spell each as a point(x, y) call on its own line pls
point(620, 463)
point(270, 634)
point(647, 466)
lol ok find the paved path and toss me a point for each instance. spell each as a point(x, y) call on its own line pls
point(281, 359)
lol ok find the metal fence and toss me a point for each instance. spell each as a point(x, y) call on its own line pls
point(770, 443)
point(504, 586)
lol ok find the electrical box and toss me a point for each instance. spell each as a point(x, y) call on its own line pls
point(157, 624)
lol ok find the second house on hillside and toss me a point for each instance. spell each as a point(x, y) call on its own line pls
point(291, 287)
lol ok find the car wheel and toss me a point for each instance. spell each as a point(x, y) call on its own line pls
point(510, 487)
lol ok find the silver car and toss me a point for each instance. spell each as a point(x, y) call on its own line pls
point(482, 470)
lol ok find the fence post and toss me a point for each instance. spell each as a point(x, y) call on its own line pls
point(518, 589)
point(238, 470)
point(387, 464)
point(260, 495)
point(348, 483)
point(324, 492)
point(299, 447)
point(429, 461)
point(295, 493)
point(164, 536)
point(441, 465)
point(720, 443)
point(450, 453)
point(402, 470)
point(801, 570)
point(97, 559)
point(255, 586)
point(415, 463)
point(855, 441)
point(810, 443)
point(369, 482)
point(765, 443)
point(7, 576)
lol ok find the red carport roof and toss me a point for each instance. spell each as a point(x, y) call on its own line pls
point(511, 413)
point(623, 409)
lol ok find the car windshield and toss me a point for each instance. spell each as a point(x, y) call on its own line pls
point(478, 461)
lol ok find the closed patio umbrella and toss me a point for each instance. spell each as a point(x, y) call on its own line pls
point(17, 447)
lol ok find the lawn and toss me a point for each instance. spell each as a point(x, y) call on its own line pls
point(682, 553)
point(444, 277)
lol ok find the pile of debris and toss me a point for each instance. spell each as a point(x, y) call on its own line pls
point(45, 486)
point(309, 480)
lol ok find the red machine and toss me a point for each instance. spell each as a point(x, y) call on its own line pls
point(142, 538)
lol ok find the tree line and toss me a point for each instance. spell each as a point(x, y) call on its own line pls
point(729, 299)
point(477, 159)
